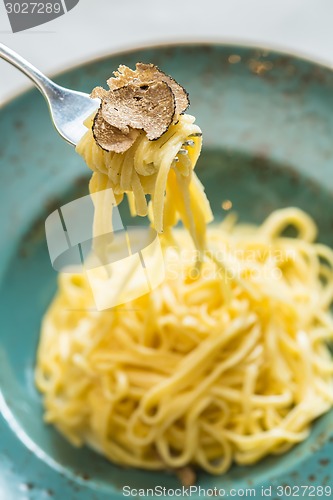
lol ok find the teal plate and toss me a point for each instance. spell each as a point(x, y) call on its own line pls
point(267, 120)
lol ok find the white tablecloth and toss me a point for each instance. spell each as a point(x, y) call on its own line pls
point(98, 27)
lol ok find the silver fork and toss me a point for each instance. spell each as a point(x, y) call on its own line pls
point(68, 108)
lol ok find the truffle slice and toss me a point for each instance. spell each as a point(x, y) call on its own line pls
point(148, 74)
point(99, 92)
point(111, 138)
point(147, 107)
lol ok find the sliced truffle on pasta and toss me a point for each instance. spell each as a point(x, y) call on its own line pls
point(148, 74)
point(112, 138)
point(149, 108)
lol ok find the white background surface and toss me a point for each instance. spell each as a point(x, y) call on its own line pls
point(98, 27)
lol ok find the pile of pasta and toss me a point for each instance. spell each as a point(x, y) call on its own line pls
point(228, 365)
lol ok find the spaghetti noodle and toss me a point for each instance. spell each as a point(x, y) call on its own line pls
point(230, 364)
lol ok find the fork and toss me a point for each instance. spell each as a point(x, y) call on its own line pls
point(68, 108)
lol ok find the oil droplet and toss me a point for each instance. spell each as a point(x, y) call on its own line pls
point(227, 205)
point(234, 59)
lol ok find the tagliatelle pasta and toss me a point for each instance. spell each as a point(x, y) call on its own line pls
point(148, 168)
point(224, 362)
point(230, 366)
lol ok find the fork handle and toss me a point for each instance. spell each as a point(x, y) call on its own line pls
point(44, 84)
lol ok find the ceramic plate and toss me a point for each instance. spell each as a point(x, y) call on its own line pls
point(267, 120)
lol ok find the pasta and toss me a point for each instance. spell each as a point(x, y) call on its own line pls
point(226, 361)
point(148, 167)
point(228, 367)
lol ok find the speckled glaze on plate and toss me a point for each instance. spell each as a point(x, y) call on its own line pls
point(267, 120)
